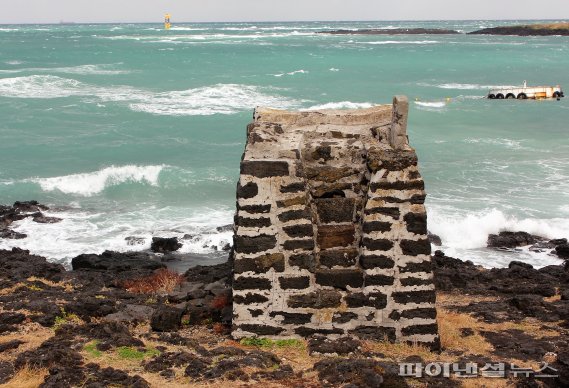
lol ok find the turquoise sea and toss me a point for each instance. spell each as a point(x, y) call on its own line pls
point(131, 130)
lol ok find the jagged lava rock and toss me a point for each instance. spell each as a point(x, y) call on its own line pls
point(162, 244)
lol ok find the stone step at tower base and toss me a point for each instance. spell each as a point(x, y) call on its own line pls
point(331, 228)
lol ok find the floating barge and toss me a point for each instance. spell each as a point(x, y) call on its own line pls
point(525, 92)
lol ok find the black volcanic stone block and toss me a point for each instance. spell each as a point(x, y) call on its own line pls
point(399, 185)
point(414, 248)
point(376, 226)
point(295, 215)
point(340, 257)
point(250, 190)
point(335, 209)
point(254, 209)
point(260, 264)
point(298, 283)
point(302, 230)
point(256, 312)
point(407, 282)
point(291, 245)
point(414, 297)
point(344, 317)
point(392, 212)
point(317, 299)
point(424, 313)
point(379, 280)
point(423, 266)
point(292, 318)
point(261, 329)
point(373, 299)
point(376, 333)
point(377, 244)
point(416, 222)
point(340, 278)
point(303, 261)
point(416, 199)
point(307, 331)
point(376, 261)
point(264, 168)
point(293, 187)
point(245, 283)
point(420, 329)
point(253, 222)
point(254, 244)
point(250, 298)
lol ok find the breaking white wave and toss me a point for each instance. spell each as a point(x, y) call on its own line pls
point(333, 69)
point(433, 104)
point(208, 100)
point(101, 69)
point(82, 231)
point(463, 234)
point(342, 105)
point(292, 73)
point(87, 184)
point(217, 99)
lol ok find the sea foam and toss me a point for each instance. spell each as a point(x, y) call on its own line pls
point(342, 105)
point(87, 184)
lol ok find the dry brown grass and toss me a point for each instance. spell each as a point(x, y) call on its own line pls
point(67, 287)
point(400, 350)
point(162, 281)
point(32, 334)
point(485, 383)
point(27, 378)
point(450, 324)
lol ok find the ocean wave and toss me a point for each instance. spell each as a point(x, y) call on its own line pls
point(88, 184)
point(217, 99)
point(292, 73)
point(470, 231)
point(101, 69)
point(419, 42)
point(208, 100)
point(433, 104)
point(40, 86)
point(342, 105)
point(81, 231)
point(507, 143)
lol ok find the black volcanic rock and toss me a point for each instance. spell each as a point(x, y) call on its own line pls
point(395, 31)
point(116, 262)
point(162, 244)
point(511, 239)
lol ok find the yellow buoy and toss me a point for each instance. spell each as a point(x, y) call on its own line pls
point(167, 24)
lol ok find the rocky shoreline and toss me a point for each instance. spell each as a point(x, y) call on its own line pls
point(125, 319)
point(561, 29)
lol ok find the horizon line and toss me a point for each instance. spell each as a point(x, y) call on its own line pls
point(63, 22)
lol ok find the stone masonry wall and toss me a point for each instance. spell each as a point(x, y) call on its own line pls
point(331, 228)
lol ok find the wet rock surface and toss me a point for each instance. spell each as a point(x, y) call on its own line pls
point(18, 211)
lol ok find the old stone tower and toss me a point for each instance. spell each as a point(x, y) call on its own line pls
point(331, 228)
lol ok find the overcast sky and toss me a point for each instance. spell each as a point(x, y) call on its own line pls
point(54, 11)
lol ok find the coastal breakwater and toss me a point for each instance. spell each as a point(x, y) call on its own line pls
point(331, 228)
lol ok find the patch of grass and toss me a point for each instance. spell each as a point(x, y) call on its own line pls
point(91, 348)
point(66, 318)
point(129, 353)
point(268, 343)
point(33, 287)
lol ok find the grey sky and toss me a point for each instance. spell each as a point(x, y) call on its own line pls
point(53, 11)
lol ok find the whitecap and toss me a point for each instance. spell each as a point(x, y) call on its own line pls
point(341, 105)
point(217, 99)
point(88, 184)
point(432, 104)
point(419, 42)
